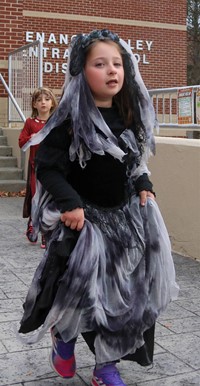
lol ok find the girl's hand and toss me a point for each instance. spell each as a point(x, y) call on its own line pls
point(73, 219)
point(143, 196)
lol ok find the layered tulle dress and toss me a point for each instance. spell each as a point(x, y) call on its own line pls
point(110, 281)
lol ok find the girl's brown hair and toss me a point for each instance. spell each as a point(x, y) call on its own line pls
point(39, 91)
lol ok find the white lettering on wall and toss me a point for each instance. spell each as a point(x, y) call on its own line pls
point(63, 39)
point(29, 36)
point(141, 58)
point(55, 53)
point(52, 39)
point(66, 53)
point(139, 47)
point(149, 44)
point(55, 67)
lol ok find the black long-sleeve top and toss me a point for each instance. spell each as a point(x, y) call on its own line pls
point(102, 181)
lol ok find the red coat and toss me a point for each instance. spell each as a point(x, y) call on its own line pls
point(31, 126)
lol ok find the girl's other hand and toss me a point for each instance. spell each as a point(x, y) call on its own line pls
point(143, 196)
point(73, 219)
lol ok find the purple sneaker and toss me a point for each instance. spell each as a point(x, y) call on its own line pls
point(107, 376)
point(62, 358)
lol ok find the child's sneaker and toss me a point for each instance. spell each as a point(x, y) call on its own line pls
point(62, 358)
point(43, 242)
point(30, 234)
point(107, 376)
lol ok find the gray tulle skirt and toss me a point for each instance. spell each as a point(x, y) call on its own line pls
point(114, 277)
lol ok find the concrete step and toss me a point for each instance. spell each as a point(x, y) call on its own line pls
point(5, 151)
point(8, 162)
point(11, 177)
point(10, 173)
point(13, 186)
point(3, 140)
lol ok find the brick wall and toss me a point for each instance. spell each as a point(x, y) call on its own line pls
point(166, 11)
point(11, 33)
point(157, 27)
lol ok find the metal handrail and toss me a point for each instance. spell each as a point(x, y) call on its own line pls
point(165, 114)
point(12, 98)
point(22, 158)
point(172, 89)
point(23, 57)
point(38, 43)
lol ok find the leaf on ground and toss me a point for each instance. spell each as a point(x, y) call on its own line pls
point(22, 193)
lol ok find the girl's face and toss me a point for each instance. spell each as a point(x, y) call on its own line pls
point(43, 104)
point(104, 72)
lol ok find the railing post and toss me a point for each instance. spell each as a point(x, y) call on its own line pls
point(40, 63)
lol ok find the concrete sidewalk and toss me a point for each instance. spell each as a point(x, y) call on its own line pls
point(177, 349)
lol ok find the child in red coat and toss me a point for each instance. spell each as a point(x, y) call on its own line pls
point(43, 103)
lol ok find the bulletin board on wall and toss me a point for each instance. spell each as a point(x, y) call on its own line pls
point(185, 106)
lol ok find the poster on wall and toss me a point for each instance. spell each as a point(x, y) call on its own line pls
point(185, 106)
point(198, 106)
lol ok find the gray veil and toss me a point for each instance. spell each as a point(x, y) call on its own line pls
point(77, 103)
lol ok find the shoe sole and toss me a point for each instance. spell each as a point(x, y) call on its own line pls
point(95, 383)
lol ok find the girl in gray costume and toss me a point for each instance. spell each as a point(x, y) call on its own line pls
point(108, 271)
